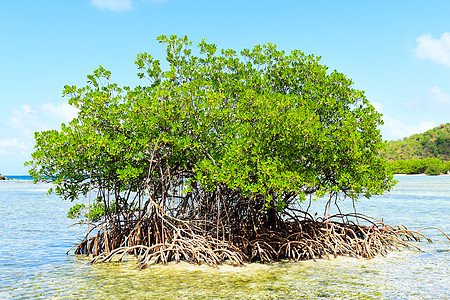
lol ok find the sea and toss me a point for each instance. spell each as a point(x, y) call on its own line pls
point(35, 235)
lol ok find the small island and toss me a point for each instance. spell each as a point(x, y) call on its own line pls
point(425, 153)
point(218, 158)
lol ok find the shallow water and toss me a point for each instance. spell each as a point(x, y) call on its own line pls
point(35, 237)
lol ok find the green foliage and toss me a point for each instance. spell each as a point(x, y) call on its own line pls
point(76, 211)
point(429, 166)
point(94, 213)
point(263, 123)
point(447, 166)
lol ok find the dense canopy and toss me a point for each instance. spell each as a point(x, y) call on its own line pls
point(262, 122)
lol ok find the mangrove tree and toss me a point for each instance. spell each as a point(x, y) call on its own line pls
point(212, 156)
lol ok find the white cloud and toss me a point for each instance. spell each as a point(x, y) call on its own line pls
point(433, 101)
point(17, 136)
point(121, 5)
point(114, 5)
point(434, 49)
point(26, 120)
point(394, 129)
point(438, 99)
point(11, 145)
point(65, 111)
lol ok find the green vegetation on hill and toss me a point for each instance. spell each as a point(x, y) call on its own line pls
point(434, 143)
point(427, 152)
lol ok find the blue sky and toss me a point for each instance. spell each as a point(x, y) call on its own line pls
point(396, 51)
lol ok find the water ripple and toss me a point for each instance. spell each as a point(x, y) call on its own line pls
point(35, 236)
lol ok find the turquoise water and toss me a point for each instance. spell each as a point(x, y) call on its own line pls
point(35, 237)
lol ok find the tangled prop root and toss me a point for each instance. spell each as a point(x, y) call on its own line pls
point(163, 239)
point(180, 244)
point(324, 239)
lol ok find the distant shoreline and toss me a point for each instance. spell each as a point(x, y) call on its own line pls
point(17, 177)
point(420, 174)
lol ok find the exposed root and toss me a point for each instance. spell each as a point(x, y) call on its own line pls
point(432, 227)
point(157, 238)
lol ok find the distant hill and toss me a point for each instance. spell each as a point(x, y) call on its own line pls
point(434, 143)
